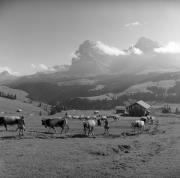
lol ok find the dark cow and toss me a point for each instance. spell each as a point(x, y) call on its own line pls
point(56, 122)
point(12, 120)
point(145, 119)
point(106, 127)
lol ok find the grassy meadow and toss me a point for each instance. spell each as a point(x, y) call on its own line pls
point(43, 153)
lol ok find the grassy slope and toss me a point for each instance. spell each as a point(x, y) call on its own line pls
point(10, 106)
point(20, 94)
point(39, 154)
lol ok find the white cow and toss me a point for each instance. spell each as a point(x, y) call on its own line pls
point(89, 126)
point(138, 124)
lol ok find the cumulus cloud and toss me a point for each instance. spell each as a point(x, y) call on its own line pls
point(5, 68)
point(110, 50)
point(133, 24)
point(74, 56)
point(171, 47)
point(134, 50)
point(137, 51)
point(42, 68)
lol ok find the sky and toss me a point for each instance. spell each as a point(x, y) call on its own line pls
point(36, 35)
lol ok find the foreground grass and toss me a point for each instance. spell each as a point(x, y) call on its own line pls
point(154, 153)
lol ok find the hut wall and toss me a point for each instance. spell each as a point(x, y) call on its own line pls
point(136, 110)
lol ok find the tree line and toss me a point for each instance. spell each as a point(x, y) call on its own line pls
point(7, 95)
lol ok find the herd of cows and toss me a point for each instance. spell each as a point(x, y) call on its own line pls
point(88, 122)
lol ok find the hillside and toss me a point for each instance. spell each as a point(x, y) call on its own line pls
point(104, 91)
point(8, 107)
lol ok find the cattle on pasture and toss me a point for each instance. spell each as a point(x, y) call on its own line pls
point(93, 117)
point(149, 119)
point(115, 117)
point(21, 127)
point(19, 110)
point(138, 124)
point(12, 120)
point(69, 116)
point(106, 127)
point(153, 120)
point(89, 126)
point(99, 122)
point(56, 122)
point(96, 112)
point(103, 117)
point(145, 119)
point(81, 117)
point(76, 117)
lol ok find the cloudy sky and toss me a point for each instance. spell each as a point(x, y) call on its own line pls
point(37, 34)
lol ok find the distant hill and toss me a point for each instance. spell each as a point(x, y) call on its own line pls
point(115, 89)
point(5, 77)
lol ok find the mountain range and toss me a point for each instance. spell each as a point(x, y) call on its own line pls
point(98, 72)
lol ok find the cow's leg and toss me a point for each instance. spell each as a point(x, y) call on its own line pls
point(62, 130)
point(92, 131)
point(89, 131)
point(104, 131)
point(84, 130)
point(5, 125)
point(54, 129)
point(17, 128)
point(48, 128)
point(67, 129)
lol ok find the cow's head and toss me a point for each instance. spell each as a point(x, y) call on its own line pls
point(43, 121)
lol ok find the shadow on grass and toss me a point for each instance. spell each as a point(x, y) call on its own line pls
point(42, 132)
point(78, 136)
point(46, 137)
point(8, 130)
point(14, 137)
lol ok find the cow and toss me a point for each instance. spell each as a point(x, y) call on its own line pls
point(138, 124)
point(153, 120)
point(89, 126)
point(76, 117)
point(21, 127)
point(145, 119)
point(115, 117)
point(19, 110)
point(106, 127)
point(12, 120)
point(56, 122)
point(99, 122)
point(96, 112)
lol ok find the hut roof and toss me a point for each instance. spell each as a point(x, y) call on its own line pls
point(120, 107)
point(143, 104)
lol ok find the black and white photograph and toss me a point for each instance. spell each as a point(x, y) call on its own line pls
point(89, 89)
